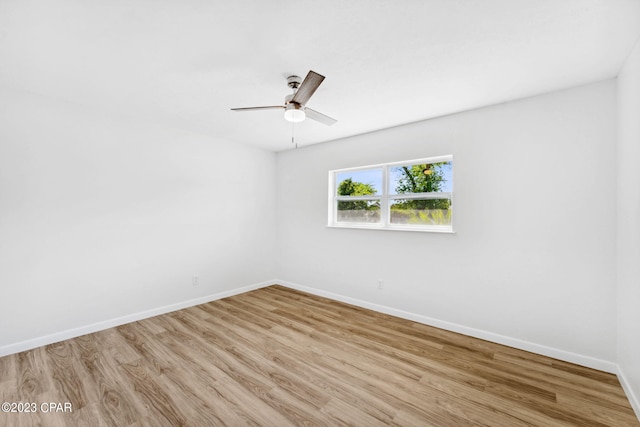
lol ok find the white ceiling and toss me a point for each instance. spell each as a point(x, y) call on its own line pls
point(184, 63)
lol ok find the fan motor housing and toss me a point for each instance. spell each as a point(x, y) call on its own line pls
point(294, 82)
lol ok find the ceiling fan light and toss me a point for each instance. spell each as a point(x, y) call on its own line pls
point(294, 115)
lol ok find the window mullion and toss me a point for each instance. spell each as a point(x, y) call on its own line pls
point(356, 198)
point(434, 195)
point(384, 202)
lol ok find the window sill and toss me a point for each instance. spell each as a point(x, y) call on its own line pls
point(420, 229)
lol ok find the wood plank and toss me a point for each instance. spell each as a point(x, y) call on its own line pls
point(148, 388)
point(117, 403)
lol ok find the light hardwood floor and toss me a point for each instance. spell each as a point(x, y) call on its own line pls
point(279, 357)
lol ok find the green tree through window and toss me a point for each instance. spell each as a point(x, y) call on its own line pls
point(424, 178)
point(350, 188)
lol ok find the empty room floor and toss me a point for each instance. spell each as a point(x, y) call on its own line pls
point(280, 357)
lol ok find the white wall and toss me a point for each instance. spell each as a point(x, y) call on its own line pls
point(101, 217)
point(533, 257)
point(629, 226)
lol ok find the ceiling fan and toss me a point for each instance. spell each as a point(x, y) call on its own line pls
point(295, 109)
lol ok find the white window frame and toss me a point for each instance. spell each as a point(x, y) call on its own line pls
point(385, 199)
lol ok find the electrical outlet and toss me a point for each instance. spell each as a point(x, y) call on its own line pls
point(195, 281)
point(380, 284)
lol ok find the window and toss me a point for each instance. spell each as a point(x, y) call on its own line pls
point(411, 195)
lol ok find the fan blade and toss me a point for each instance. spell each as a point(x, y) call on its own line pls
point(271, 107)
point(307, 88)
point(319, 117)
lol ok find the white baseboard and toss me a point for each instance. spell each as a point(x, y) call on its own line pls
point(99, 326)
point(567, 356)
point(626, 386)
